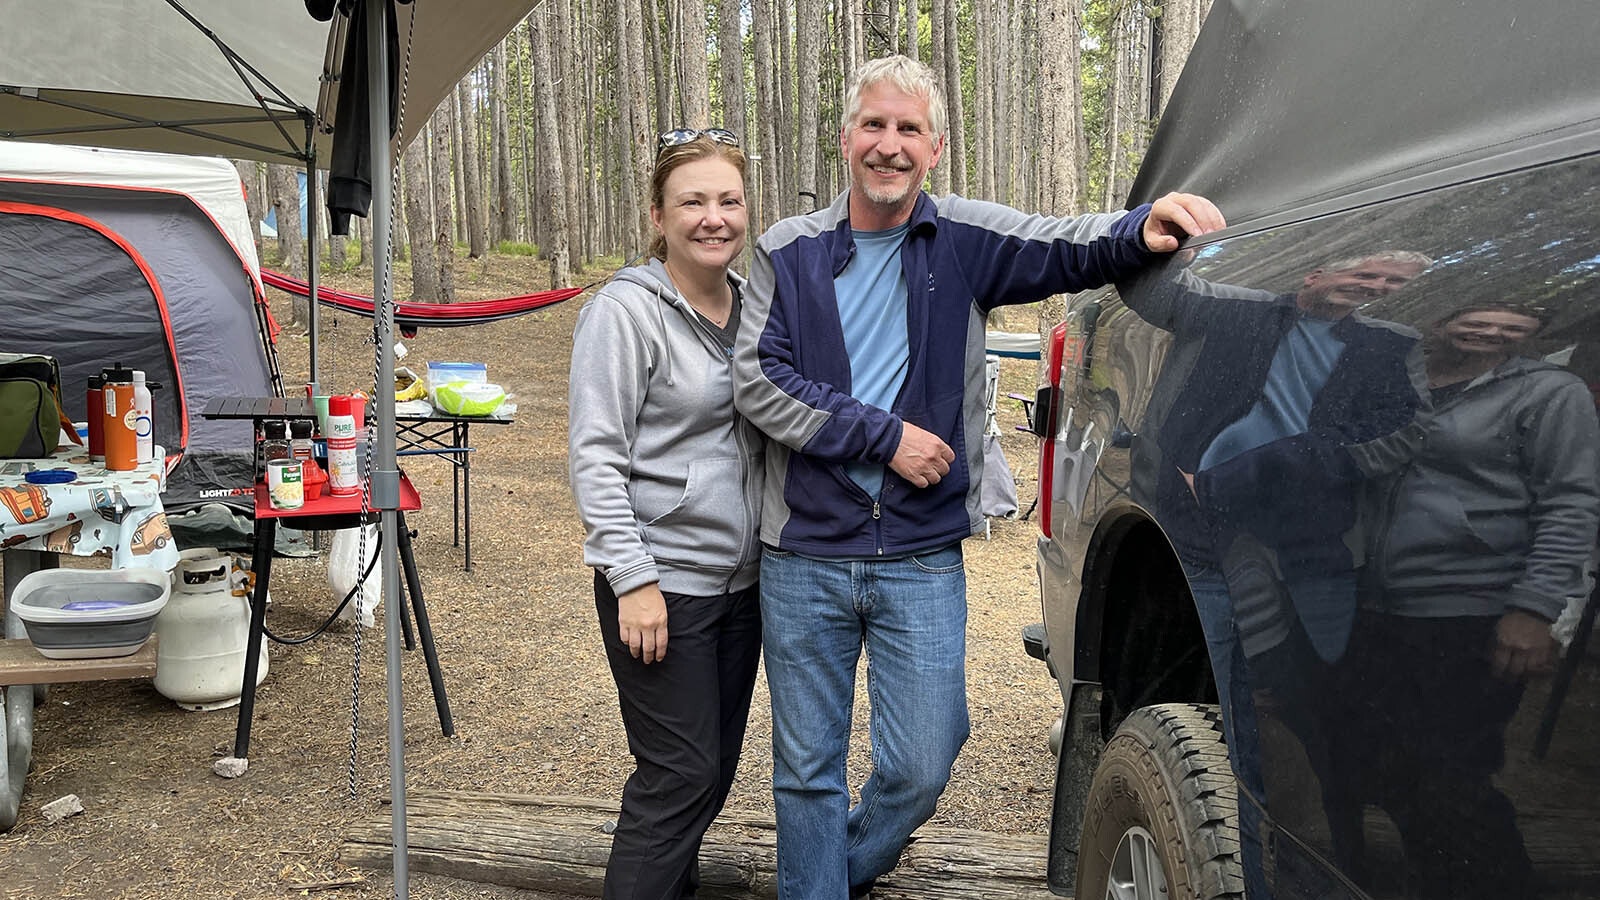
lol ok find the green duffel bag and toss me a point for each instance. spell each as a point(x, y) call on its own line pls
point(30, 406)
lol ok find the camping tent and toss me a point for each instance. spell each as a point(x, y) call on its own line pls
point(143, 259)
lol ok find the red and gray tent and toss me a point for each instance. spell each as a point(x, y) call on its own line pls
point(142, 259)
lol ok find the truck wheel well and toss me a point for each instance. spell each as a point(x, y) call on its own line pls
point(1151, 647)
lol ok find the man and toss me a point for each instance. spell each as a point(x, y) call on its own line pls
point(861, 354)
point(1274, 389)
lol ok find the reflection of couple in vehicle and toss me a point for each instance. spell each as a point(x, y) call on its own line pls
point(1272, 412)
point(1479, 541)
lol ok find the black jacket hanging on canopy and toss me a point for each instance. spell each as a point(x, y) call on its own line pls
point(350, 169)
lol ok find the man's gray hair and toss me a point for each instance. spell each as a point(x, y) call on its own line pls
point(1401, 257)
point(906, 74)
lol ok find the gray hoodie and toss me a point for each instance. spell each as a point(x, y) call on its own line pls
point(666, 475)
point(1498, 509)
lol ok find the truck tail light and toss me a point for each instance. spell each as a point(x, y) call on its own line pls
point(1045, 413)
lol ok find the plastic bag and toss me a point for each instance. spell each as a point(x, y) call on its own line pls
point(345, 565)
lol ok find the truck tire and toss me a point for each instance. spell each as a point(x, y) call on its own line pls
point(1161, 817)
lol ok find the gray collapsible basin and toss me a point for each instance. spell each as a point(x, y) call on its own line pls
point(88, 613)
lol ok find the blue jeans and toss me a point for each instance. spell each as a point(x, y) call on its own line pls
point(911, 615)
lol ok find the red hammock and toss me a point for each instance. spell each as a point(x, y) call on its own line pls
point(410, 316)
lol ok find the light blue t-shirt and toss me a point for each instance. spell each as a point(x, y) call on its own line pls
point(1300, 367)
point(871, 293)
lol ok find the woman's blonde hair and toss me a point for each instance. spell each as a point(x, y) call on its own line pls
point(670, 158)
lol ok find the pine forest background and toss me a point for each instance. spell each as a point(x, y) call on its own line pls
point(546, 146)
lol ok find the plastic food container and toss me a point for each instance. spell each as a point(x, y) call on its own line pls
point(465, 398)
point(446, 372)
point(87, 613)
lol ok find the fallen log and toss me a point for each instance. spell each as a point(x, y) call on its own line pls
point(560, 844)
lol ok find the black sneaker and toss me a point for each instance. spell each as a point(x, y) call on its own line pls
point(862, 891)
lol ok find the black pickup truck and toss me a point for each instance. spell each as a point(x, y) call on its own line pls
point(1320, 494)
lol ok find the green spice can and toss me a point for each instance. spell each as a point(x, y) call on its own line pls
point(285, 483)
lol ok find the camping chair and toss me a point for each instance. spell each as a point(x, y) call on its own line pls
point(998, 496)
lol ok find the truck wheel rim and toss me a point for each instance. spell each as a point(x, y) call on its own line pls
point(1136, 871)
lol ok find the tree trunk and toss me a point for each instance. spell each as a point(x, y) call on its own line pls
point(638, 147)
point(525, 161)
point(363, 235)
point(956, 151)
point(505, 212)
point(1179, 25)
point(789, 135)
point(808, 39)
point(937, 15)
point(550, 150)
point(1061, 122)
point(910, 46)
point(559, 845)
point(568, 96)
point(764, 170)
point(596, 217)
point(730, 59)
point(419, 224)
point(1112, 104)
point(693, 77)
point(458, 217)
point(471, 171)
point(649, 24)
point(443, 230)
point(255, 197)
point(292, 246)
point(983, 38)
point(1060, 28)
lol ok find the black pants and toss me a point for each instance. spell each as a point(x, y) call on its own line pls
point(685, 719)
point(1425, 736)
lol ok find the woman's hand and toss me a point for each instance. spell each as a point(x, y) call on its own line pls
point(642, 623)
point(1524, 646)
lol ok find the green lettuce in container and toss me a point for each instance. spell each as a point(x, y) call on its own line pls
point(468, 398)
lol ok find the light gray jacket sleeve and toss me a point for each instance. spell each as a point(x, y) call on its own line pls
point(1562, 466)
point(610, 372)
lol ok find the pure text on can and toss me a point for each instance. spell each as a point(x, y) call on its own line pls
point(285, 483)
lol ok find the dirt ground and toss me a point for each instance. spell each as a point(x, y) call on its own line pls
point(535, 708)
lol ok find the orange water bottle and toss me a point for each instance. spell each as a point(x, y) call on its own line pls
point(119, 420)
point(94, 412)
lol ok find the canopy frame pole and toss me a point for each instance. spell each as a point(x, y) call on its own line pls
point(385, 484)
point(240, 67)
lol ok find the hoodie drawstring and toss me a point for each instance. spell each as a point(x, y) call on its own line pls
point(666, 345)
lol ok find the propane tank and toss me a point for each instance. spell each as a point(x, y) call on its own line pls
point(203, 631)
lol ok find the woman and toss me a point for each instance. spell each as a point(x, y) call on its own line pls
point(1484, 536)
point(668, 483)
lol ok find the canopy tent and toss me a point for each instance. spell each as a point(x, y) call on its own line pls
point(184, 77)
point(1239, 108)
point(237, 78)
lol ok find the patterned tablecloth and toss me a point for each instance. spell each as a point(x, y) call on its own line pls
point(102, 513)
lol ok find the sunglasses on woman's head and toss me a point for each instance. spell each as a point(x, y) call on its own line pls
point(677, 137)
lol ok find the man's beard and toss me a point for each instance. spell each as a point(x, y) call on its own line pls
point(887, 196)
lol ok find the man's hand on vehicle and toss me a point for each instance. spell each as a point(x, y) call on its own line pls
point(1180, 215)
point(921, 458)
